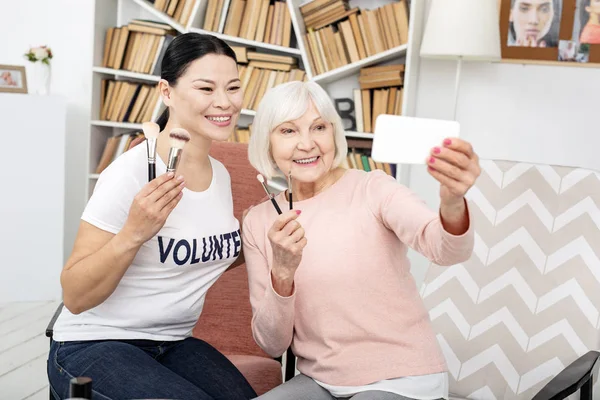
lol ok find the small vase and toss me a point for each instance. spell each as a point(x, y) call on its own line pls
point(40, 82)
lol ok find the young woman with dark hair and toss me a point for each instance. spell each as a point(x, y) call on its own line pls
point(146, 253)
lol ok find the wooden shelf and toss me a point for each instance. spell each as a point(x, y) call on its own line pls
point(360, 135)
point(111, 124)
point(126, 74)
point(146, 5)
point(351, 69)
point(245, 111)
point(250, 43)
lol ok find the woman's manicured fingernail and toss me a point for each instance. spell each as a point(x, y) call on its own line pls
point(447, 142)
point(437, 150)
point(431, 160)
point(180, 178)
point(298, 212)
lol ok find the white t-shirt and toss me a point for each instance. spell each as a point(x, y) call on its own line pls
point(161, 295)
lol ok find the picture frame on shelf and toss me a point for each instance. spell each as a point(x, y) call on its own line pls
point(13, 79)
point(567, 32)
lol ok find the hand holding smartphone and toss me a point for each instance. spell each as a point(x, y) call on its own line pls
point(409, 140)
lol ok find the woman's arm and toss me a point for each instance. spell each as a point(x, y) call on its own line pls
point(100, 259)
point(97, 263)
point(445, 237)
point(273, 303)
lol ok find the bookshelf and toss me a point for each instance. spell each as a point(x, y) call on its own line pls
point(340, 79)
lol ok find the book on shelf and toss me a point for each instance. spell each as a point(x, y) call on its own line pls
point(260, 72)
point(179, 10)
point(381, 92)
point(259, 20)
point(337, 35)
point(125, 101)
point(359, 157)
point(114, 147)
point(138, 46)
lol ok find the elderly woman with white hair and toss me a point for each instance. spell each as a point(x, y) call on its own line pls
point(331, 278)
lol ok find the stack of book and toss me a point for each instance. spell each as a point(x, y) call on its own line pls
point(179, 10)
point(138, 46)
point(114, 147)
point(261, 71)
point(125, 101)
point(250, 19)
point(380, 93)
point(359, 157)
point(337, 36)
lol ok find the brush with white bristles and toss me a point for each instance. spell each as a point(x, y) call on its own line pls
point(178, 137)
point(261, 179)
point(151, 131)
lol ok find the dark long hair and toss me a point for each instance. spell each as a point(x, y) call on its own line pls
point(182, 51)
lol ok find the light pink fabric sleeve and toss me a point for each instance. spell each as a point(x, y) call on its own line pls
point(272, 314)
point(399, 209)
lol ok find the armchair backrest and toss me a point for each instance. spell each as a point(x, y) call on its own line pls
point(227, 314)
point(527, 303)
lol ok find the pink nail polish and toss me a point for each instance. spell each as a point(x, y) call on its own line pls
point(431, 160)
point(437, 150)
point(298, 212)
point(447, 142)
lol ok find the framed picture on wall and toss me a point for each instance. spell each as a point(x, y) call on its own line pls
point(550, 30)
point(13, 79)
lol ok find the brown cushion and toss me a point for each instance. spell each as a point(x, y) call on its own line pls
point(227, 315)
point(263, 374)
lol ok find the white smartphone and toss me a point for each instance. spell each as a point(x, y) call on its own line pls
point(409, 140)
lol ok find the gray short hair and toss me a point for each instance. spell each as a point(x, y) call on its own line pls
point(287, 102)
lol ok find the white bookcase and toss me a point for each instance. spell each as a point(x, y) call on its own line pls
point(338, 82)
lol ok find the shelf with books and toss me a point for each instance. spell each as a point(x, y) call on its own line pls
point(250, 43)
point(351, 69)
point(126, 74)
point(163, 17)
point(133, 54)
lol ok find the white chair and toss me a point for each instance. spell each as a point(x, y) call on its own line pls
point(520, 319)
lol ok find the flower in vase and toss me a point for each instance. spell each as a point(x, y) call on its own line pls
point(41, 53)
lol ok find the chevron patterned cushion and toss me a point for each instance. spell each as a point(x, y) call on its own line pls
point(527, 303)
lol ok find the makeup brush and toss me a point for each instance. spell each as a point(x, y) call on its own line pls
point(290, 189)
point(261, 179)
point(151, 131)
point(177, 139)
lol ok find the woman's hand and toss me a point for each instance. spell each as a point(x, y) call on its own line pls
point(152, 206)
point(287, 241)
point(455, 166)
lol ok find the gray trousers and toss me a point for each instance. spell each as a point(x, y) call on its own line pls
point(301, 387)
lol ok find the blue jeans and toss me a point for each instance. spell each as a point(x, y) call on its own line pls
point(140, 369)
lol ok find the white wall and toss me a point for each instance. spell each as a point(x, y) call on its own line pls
point(534, 113)
point(33, 252)
point(66, 26)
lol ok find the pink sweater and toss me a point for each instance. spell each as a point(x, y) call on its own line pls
point(355, 316)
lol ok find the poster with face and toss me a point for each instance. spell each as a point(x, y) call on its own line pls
point(586, 24)
point(534, 23)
